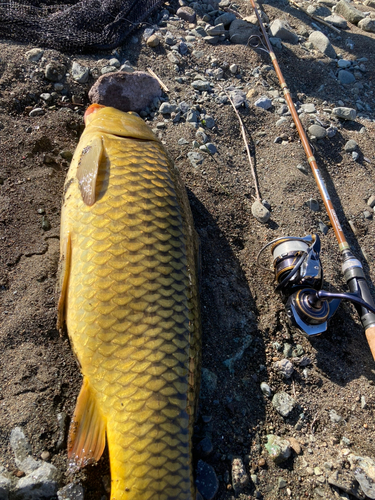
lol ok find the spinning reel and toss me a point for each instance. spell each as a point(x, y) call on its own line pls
point(299, 277)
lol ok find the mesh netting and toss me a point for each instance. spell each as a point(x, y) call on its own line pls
point(76, 26)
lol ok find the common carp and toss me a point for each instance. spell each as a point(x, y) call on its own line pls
point(129, 300)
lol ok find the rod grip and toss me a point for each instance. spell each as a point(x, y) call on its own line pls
point(370, 336)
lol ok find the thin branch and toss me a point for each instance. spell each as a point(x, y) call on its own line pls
point(162, 85)
point(314, 17)
point(246, 146)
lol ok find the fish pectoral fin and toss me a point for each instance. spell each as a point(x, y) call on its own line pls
point(86, 439)
point(88, 167)
point(64, 272)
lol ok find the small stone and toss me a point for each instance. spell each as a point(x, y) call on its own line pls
point(195, 158)
point(208, 121)
point(284, 367)
point(205, 447)
point(55, 72)
point(201, 85)
point(125, 91)
point(208, 148)
point(20, 445)
point(367, 24)
point(281, 29)
point(278, 448)
point(71, 491)
point(66, 155)
point(216, 30)
point(355, 155)
point(182, 142)
point(233, 68)
point(201, 136)
point(213, 40)
point(265, 388)
point(263, 102)
point(34, 55)
point(350, 146)
point(367, 215)
point(287, 350)
point(238, 97)
point(240, 31)
point(345, 77)
point(283, 403)
point(192, 116)
point(260, 212)
point(318, 471)
point(153, 41)
point(295, 445)
point(167, 108)
point(281, 122)
point(345, 113)
point(226, 19)
point(371, 201)
point(173, 57)
point(261, 462)
point(187, 14)
point(344, 63)
point(37, 112)
point(218, 73)
point(335, 417)
point(349, 12)
point(337, 21)
point(331, 131)
point(252, 93)
point(308, 108)
point(317, 131)
point(302, 168)
point(322, 43)
point(281, 483)
point(239, 477)
point(323, 228)
point(206, 480)
point(313, 205)
point(208, 383)
point(41, 483)
point(46, 226)
point(79, 73)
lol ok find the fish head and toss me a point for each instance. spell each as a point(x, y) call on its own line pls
point(104, 119)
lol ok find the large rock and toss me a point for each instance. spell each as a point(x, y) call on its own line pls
point(345, 113)
point(350, 13)
point(337, 21)
point(240, 31)
point(125, 91)
point(281, 29)
point(322, 43)
point(367, 24)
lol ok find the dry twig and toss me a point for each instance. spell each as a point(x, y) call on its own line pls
point(246, 146)
point(314, 17)
point(162, 85)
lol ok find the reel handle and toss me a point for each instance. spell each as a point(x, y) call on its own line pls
point(370, 336)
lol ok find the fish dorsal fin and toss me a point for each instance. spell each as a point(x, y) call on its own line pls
point(86, 439)
point(88, 167)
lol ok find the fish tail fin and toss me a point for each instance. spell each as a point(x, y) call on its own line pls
point(87, 430)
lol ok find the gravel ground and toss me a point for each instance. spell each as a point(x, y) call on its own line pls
point(280, 415)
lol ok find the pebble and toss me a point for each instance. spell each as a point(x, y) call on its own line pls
point(41, 483)
point(208, 148)
point(265, 388)
point(346, 77)
point(216, 30)
point(61, 422)
point(37, 112)
point(337, 21)
point(187, 14)
point(322, 44)
point(335, 417)
point(317, 131)
point(344, 63)
point(182, 142)
point(167, 108)
point(287, 352)
point(208, 121)
point(355, 155)
point(153, 41)
point(371, 201)
point(195, 158)
point(302, 168)
point(367, 24)
point(284, 367)
point(308, 108)
point(283, 403)
point(206, 480)
point(46, 225)
point(281, 122)
point(45, 455)
point(278, 448)
point(213, 40)
point(349, 12)
point(225, 19)
point(34, 55)
point(239, 477)
point(295, 445)
point(201, 136)
point(208, 383)
point(173, 58)
point(281, 29)
point(323, 228)
point(71, 491)
point(345, 113)
point(281, 483)
point(367, 215)
point(205, 447)
point(201, 85)
point(331, 131)
point(263, 102)
point(20, 445)
point(350, 146)
point(125, 91)
point(238, 97)
point(313, 205)
point(55, 72)
point(80, 73)
point(260, 212)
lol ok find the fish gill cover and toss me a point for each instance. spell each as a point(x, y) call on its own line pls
point(73, 26)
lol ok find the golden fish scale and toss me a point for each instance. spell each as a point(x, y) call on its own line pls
point(132, 316)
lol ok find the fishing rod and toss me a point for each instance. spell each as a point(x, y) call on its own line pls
point(296, 262)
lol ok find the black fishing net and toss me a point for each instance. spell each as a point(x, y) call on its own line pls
point(81, 26)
